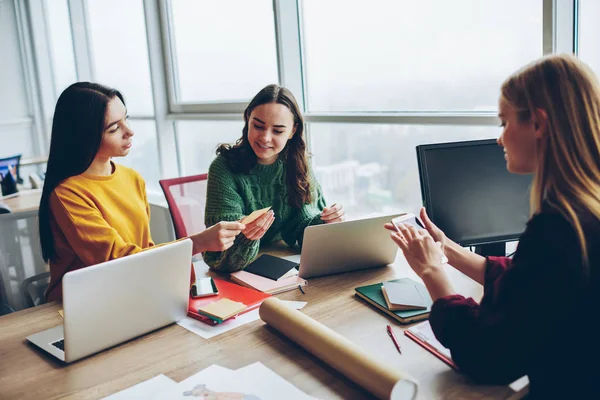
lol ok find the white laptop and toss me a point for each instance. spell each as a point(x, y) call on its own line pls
point(346, 246)
point(110, 303)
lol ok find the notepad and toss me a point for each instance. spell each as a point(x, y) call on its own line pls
point(272, 267)
point(254, 215)
point(222, 310)
point(373, 296)
point(266, 285)
point(424, 336)
point(402, 296)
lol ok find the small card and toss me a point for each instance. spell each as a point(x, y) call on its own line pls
point(222, 309)
point(254, 215)
point(62, 315)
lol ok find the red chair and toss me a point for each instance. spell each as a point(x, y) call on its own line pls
point(186, 197)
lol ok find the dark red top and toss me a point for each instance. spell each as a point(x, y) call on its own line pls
point(538, 315)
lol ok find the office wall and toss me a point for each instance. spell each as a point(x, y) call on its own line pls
point(15, 117)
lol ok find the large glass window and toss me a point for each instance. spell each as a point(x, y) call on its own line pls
point(61, 44)
point(373, 168)
point(143, 156)
point(198, 141)
point(406, 55)
point(223, 50)
point(589, 33)
point(120, 51)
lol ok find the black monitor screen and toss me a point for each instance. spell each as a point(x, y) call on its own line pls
point(469, 193)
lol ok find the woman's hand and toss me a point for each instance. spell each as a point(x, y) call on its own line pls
point(257, 228)
point(334, 213)
point(218, 237)
point(423, 254)
point(435, 232)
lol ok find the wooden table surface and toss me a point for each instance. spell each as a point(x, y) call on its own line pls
point(26, 372)
point(25, 200)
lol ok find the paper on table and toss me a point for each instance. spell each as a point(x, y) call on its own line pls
point(145, 389)
point(254, 215)
point(61, 313)
point(252, 382)
point(207, 331)
point(337, 351)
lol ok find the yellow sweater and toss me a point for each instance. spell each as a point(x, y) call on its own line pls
point(96, 219)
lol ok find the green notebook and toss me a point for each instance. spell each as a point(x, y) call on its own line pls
point(372, 295)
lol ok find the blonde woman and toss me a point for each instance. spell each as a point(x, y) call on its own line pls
point(539, 312)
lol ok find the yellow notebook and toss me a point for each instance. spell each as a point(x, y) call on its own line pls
point(222, 309)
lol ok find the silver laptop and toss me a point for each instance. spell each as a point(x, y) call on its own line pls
point(110, 303)
point(346, 246)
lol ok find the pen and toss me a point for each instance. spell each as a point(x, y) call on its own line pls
point(300, 287)
point(391, 334)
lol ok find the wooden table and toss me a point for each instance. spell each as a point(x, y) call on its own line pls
point(26, 372)
point(26, 200)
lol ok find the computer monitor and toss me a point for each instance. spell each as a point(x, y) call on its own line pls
point(469, 194)
point(8, 162)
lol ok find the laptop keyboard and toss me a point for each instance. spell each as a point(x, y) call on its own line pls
point(59, 344)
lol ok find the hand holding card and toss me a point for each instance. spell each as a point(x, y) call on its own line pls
point(254, 216)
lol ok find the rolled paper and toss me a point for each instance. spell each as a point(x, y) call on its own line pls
point(374, 375)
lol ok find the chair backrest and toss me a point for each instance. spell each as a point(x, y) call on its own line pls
point(186, 197)
point(33, 289)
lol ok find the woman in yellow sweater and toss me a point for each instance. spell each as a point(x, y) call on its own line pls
point(93, 210)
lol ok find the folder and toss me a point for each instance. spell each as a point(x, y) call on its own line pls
point(227, 290)
point(271, 267)
point(373, 296)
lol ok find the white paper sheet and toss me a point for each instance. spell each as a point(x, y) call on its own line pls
point(144, 390)
point(253, 382)
point(208, 331)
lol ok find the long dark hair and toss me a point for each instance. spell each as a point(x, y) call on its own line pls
point(242, 158)
point(77, 130)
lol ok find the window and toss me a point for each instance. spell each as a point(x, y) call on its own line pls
point(224, 51)
point(61, 44)
point(143, 156)
point(405, 55)
point(120, 51)
point(373, 168)
point(15, 120)
point(198, 141)
point(589, 33)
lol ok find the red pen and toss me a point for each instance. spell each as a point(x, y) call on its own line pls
point(391, 334)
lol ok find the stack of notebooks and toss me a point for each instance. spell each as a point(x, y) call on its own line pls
point(402, 299)
point(269, 274)
point(213, 310)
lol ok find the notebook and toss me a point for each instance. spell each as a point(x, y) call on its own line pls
point(227, 290)
point(266, 285)
point(272, 267)
point(222, 309)
point(402, 296)
point(372, 295)
point(423, 335)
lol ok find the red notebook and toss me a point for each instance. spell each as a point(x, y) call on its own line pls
point(250, 297)
point(423, 335)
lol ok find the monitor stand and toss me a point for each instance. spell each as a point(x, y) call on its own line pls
point(491, 249)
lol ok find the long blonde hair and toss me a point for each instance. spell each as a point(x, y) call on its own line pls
point(567, 176)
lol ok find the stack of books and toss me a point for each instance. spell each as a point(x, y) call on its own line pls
point(404, 300)
point(270, 274)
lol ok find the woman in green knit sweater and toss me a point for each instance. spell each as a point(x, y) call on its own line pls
point(267, 167)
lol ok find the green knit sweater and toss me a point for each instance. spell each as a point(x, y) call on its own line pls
point(230, 196)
